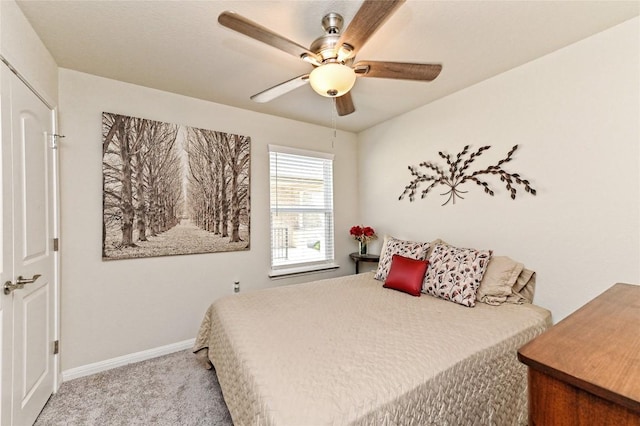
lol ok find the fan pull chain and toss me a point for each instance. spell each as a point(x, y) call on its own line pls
point(334, 122)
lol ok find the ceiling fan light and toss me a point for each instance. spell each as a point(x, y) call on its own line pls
point(332, 80)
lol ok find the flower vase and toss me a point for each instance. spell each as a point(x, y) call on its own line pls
point(362, 247)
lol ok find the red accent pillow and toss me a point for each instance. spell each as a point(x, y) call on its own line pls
point(406, 274)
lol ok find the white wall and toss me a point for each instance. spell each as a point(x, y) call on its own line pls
point(575, 115)
point(114, 308)
point(20, 45)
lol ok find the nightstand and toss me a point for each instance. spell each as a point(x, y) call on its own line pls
point(357, 258)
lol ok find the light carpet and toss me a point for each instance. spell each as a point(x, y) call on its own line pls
point(174, 389)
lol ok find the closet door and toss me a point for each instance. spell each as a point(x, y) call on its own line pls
point(28, 259)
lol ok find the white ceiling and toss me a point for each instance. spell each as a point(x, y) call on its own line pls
point(179, 47)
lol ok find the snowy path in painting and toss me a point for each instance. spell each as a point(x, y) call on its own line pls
point(184, 238)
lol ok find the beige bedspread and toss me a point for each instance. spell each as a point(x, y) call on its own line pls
point(348, 351)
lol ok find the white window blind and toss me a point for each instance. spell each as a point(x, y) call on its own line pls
point(301, 186)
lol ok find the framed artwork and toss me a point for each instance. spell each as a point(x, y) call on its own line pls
point(170, 189)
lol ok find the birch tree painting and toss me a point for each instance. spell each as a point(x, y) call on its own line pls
point(171, 189)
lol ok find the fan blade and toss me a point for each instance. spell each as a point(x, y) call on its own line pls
point(280, 89)
point(256, 31)
point(344, 104)
point(397, 70)
point(371, 15)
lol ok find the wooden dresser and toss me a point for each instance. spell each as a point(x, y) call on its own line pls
point(585, 370)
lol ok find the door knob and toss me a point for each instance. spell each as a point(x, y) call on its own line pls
point(20, 283)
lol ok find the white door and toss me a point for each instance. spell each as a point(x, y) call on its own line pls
point(28, 196)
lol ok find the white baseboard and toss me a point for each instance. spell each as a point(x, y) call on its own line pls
point(97, 367)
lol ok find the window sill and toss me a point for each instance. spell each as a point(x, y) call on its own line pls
point(301, 270)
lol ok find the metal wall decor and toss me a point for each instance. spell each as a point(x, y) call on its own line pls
point(459, 173)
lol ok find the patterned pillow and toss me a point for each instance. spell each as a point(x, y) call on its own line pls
point(455, 273)
point(391, 246)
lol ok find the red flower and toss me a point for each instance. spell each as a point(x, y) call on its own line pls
point(362, 233)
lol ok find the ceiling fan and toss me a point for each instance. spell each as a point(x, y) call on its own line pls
point(333, 54)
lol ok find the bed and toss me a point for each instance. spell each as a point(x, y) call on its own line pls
point(347, 351)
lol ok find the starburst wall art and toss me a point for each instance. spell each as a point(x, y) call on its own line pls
point(459, 173)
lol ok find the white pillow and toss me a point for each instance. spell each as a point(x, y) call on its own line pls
point(391, 246)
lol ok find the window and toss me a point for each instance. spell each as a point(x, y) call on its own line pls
point(301, 187)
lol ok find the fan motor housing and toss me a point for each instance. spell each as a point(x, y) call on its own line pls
point(332, 23)
point(325, 46)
